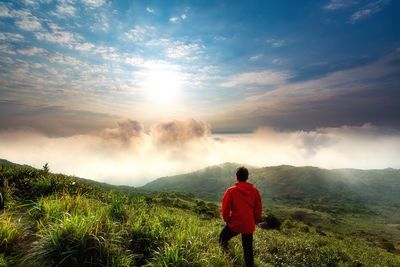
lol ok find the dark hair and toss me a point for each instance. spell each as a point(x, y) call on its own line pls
point(242, 174)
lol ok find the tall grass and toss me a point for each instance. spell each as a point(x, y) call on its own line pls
point(9, 233)
point(3, 262)
point(77, 241)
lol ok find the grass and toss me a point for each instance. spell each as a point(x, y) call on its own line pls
point(77, 241)
point(88, 225)
point(9, 233)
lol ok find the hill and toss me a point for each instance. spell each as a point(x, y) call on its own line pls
point(58, 220)
point(338, 190)
point(6, 163)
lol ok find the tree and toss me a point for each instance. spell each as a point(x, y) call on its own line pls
point(46, 168)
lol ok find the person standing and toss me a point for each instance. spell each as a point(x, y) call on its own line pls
point(241, 210)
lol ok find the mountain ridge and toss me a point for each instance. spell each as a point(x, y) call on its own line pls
point(286, 184)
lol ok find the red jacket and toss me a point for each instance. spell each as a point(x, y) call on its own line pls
point(241, 207)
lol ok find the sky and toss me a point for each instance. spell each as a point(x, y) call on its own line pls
point(161, 77)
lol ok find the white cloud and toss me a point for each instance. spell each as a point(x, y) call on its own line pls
point(26, 21)
point(256, 57)
point(5, 12)
point(6, 48)
point(102, 23)
point(30, 2)
point(93, 3)
point(150, 10)
point(278, 61)
point(257, 78)
point(182, 50)
point(174, 19)
point(24, 18)
point(65, 9)
point(219, 38)
point(178, 49)
point(276, 42)
point(159, 42)
point(138, 33)
point(32, 51)
point(134, 61)
point(339, 4)
point(368, 10)
point(84, 47)
point(62, 59)
point(59, 36)
point(11, 37)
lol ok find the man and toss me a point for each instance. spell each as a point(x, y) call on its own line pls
point(241, 210)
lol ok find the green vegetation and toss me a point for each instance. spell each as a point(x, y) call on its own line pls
point(57, 220)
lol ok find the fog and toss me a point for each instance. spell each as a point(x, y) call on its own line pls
point(130, 154)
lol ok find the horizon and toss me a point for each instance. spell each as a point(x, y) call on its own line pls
point(250, 167)
point(124, 92)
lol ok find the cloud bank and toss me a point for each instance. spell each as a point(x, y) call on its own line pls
point(130, 154)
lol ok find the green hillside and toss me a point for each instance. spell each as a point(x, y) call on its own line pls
point(334, 191)
point(209, 183)
point(57, 220)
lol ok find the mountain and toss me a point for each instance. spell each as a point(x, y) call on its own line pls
point(209, 183)
point(337, 190)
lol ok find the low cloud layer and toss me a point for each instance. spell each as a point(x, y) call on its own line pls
point(179, 132)
point(131, 154)
point(125, 132)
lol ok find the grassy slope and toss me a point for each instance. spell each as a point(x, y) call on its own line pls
point(55, 219)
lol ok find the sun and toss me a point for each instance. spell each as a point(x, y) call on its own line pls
point(163, 86)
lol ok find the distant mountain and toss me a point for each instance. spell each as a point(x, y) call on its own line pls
point(209, 183)
point(337, 190)
point(6, 163)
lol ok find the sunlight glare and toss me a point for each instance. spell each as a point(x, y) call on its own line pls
point(163, 87)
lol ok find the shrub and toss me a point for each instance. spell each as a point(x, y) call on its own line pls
point(288, 224)
point(270, 222)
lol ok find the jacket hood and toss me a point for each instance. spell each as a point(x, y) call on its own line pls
point(245, 187)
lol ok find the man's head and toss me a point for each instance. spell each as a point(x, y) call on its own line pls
point(242, 174)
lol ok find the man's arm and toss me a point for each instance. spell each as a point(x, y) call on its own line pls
point(257, 207)
point(226, 206)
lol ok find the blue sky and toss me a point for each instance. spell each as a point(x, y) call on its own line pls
point(71, 66)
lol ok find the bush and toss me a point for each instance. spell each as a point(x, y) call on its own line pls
point(288, 224)
point(270, 222)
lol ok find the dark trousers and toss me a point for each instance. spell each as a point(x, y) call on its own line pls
point(247, 243)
